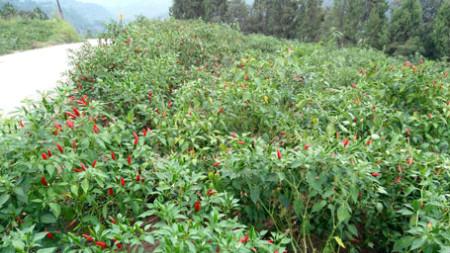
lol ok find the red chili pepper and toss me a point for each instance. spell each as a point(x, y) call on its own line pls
point(129, 159)
point(44, 181)
point(169, 104)
point(122, 181)
point(138, 178)
point(346, 142)
point(71, 115)
point(409, 161)
point(270, 241)
point(211, 192)
point(95, 129)
point(44, 156)
point(113, 155)
point(49, 153)
point(369, 142)
point(88, 237)
point(216, 164)
point(110, 191)
point(77, 170)
point(101, 245)
point(241, 142)
point(244, 239)
point(70, 124)
point(375, 174)
point(119, 245)
point(50, 236)
point(306, 147)
point(83, 167)
point(60, 148)
point(197, 206)
point(136, 138)
point(58, 126)
point(76, 112)
point(144, 132)
point(94, 163)
point(279, 154)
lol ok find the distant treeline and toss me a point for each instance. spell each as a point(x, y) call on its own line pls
point(402, 27)
point(8, 11)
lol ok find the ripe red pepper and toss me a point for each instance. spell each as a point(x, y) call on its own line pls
point(244, 239)
point(44, 156)
point(83, 167)
point(122, 181)
point(49, 153)
point(70, 124)
point(197, 206)
point(88, 237)
point(44, 181)
point(110, 191)
point(138, 178)
point(129, 159)
point(136, 138)
point(144, 132)
point(369, 142)
point(169, 104)
point(346, 142)
point(71, 115)
point(101, 245)
point(279, 154)
point(94, 163)
point(50, 236)
point(306, 147)
point(76, 112)
point(375, 174)
point(113, 155)
point(211, 192)
point(95, 129)
point(216, 164)
point(60, 148)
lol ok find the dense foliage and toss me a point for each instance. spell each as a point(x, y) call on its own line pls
point(191, 137)
point(397, 27)
point(20, 30)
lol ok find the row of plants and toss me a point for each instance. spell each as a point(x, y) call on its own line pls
point(183, 136)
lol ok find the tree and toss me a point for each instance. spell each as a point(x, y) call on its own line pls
point(215, 10)
point(60, 12)
point(405, 28)
point(311, 18)
point(375, 28)
point(441, 30)
point(238, 12)
point(188, 9)
point(348, 18)
point(430, 11)
point(8, 11)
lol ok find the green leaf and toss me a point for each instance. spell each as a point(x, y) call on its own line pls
point(343, 214)
point(298, 207)
point(339, 241)
point(3, 199)
point(48, 218)
point(47, 250)
point(85, 185)
point(74, 189)
point(39, 236)
point(56, 209)
point(318, 206)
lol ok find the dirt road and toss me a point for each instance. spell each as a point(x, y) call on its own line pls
point(24, 74)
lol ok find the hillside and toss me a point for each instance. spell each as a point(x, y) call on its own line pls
point(192, 137)
point(85, 17)
point(21, 34)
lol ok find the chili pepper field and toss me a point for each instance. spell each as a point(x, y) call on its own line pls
point(175, 136)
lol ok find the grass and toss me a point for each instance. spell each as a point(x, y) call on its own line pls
point(21, 34)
